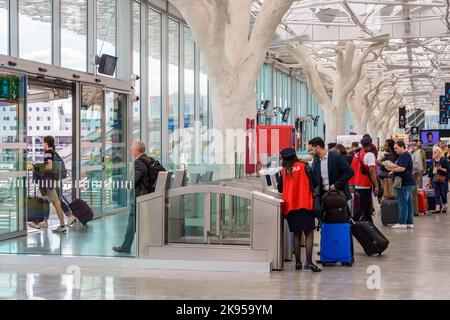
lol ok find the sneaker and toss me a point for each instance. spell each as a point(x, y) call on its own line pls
point(71, 220)
point(60, 229)
point(399, 226)
point(312, 267)
point(410, 226)
point(298, 266)
point(43, 225)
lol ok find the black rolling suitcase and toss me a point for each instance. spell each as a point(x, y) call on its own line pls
point(81, 210)
point(370, 238)
point(390, 212)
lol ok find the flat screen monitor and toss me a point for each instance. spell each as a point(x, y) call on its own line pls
point(266, 104)
point(286, 114)
point(107, 65)
point(430, 138)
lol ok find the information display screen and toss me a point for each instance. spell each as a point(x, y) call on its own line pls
point(430, 138)
point(9, 88)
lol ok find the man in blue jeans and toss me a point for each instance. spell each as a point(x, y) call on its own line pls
point(405, 184)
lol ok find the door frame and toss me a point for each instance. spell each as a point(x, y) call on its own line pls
point(44, 72)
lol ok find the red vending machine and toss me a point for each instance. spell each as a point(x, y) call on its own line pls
point(270, 140)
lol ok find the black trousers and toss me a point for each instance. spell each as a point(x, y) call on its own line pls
point(363, 210)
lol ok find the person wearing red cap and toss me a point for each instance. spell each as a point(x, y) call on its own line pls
point(296, 186)
point(364, 165)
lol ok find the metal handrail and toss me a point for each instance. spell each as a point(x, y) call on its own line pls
point(209, 188)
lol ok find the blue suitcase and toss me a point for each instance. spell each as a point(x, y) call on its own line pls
point(335, 244)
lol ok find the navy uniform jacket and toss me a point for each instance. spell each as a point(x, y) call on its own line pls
point(339, 173)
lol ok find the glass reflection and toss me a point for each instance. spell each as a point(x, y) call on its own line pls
point(106, 27)
point(74, 34)
point(35, 30)
point(154, 86)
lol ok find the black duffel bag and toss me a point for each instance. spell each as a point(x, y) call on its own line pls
point(334, 207)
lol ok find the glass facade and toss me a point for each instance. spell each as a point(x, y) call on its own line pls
point(106, 27)
point(74, 34)
point(189, 90)
point(35, 32)
point(137, 69)
point(173, 110)
point(285, 91)
point(154, 82)
point(4, 30)
point(174, 93)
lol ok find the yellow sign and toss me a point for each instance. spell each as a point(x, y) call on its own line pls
point(401, 136)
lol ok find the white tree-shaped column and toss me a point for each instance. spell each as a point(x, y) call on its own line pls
point(345, 77)
point(234, 54)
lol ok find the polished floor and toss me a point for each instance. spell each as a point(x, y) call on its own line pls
point(95, 239)
point(415, 266)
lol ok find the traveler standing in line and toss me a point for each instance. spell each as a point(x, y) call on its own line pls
point(438, 174)
point(417, 168)
point(49, 186)
point(297, 188)
point(364, 165)
point(441, 145)
point(143, 184)
point(404, 183)
point(330, 170)
point(387, 180)
point(343, 152)
point(423, 158)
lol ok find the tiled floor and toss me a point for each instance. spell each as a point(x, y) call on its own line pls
point(414, 267)
point(95, 239)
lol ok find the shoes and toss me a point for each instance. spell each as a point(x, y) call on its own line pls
point(312, 267)
point(34, 225)
point(444, 210)
point(124, 250)
point(60, 229)
point(298, 266)
point(410, 226)
point(71, 220)
point(43, 225)
point(399, 226)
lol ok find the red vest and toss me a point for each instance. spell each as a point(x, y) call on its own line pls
point(360, 179)
point(297, 193)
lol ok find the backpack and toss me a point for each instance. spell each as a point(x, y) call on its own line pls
point(334, 207)
point(154, 167)
point(60, 165)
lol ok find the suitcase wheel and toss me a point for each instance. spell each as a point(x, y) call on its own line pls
point(347, 264)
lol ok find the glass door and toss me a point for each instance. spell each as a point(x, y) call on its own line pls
point(115, 152)
point(12, 155)
point(91, 147)
point(103, 164)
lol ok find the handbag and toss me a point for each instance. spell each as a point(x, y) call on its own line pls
point(441, 175)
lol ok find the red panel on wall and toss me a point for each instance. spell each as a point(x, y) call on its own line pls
point(270, 140)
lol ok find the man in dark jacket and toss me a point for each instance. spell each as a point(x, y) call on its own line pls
point(142, 186)
point(330, 169)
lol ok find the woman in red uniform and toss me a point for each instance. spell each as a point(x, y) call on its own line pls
point(296, 186)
